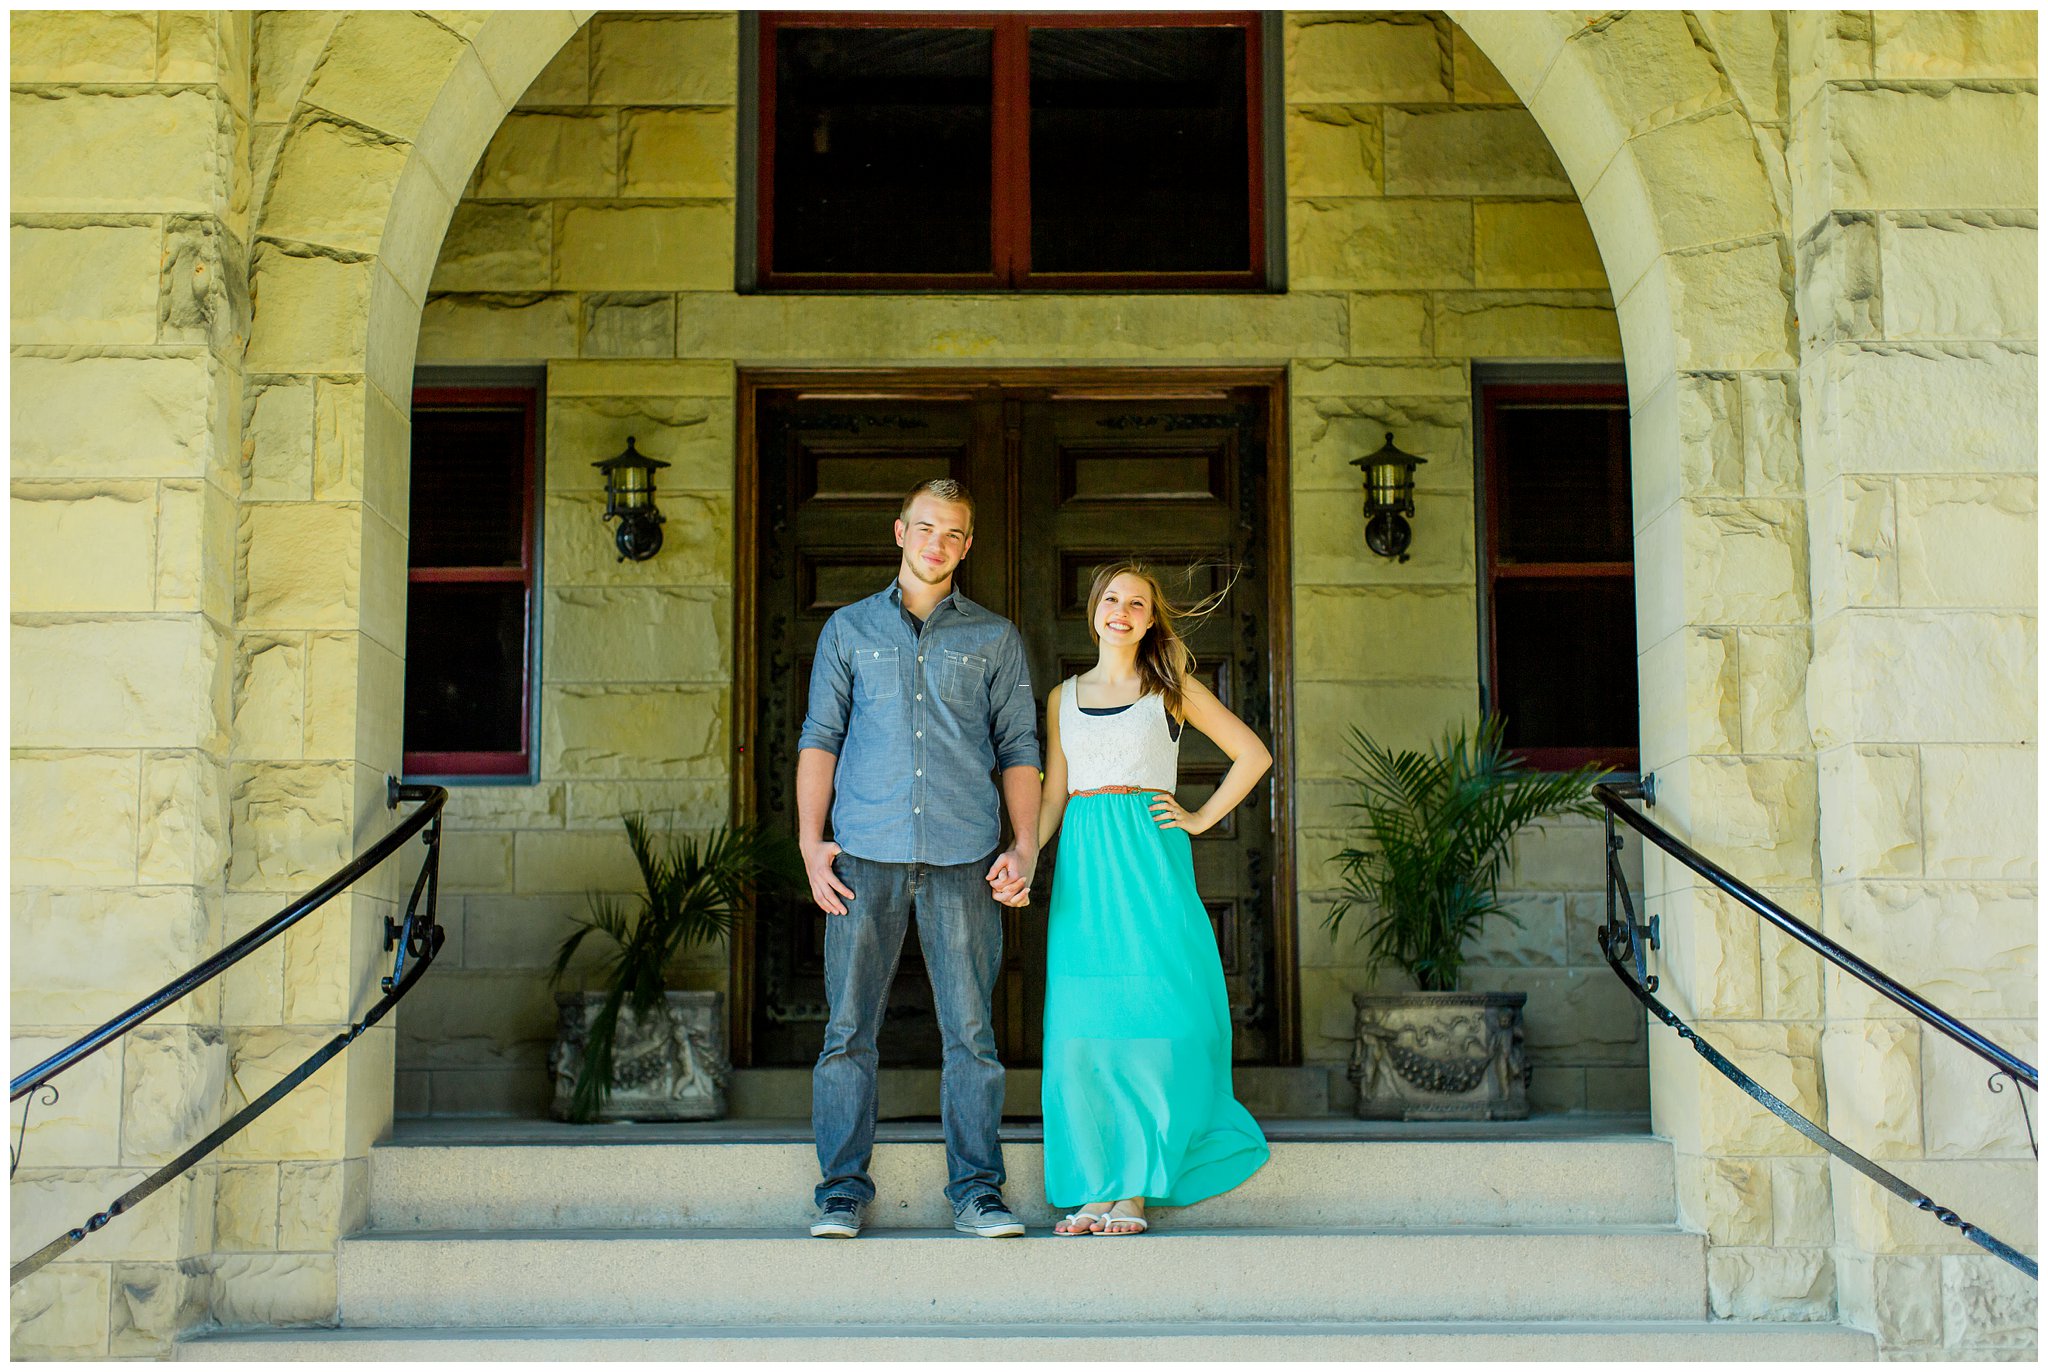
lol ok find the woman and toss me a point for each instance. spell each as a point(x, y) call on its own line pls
point(1136, 1087)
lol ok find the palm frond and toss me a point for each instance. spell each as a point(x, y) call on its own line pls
point(695, 889)
point(1439, 827)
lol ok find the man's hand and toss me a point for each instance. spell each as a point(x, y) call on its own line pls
point(1010, 878)
point(826, 887)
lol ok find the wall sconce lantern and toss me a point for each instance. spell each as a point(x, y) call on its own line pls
point(1389, 498)
point(629, 498)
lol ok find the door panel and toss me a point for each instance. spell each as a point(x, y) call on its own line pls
point(1062, 485)
point(831, 477)
point(1178, 484)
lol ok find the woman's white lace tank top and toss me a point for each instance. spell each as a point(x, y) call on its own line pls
point(1133, 747)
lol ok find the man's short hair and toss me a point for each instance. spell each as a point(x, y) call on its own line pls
point(941, 488)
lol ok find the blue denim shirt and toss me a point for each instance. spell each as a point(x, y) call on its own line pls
point(920, 723)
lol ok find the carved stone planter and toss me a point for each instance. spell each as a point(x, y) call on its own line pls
point(669, 1066)
point(1441, 1055)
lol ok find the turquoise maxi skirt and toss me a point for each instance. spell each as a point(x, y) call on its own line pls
point(1136, 1089)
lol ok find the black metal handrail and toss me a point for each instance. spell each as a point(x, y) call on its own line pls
point(1625, 939)
point(417, 935)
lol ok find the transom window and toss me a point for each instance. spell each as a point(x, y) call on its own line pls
point(469, 630)
point(1559, 572)
point(1010, 151)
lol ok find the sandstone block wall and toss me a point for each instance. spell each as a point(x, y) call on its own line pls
point(208, 480)
point(1725, 138)
point(1428, 224)
point(130, 309)
point(636, 672)
point(1913, 202)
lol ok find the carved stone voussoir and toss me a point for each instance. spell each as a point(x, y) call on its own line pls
point(667, 1066)
point(1441, 1055)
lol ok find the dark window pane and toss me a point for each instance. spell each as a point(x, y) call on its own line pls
point(882, 150)
point(1138, 150)
point(1566, 658)
point(1563, 483)
point(465, 668)
point(468, 487)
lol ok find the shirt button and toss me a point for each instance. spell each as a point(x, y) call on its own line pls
point(920, 657)
point(920, 733)
point(920, 771)
point(917, 809)
point(920, 695)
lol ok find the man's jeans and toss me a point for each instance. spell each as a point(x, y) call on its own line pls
point(960, 927)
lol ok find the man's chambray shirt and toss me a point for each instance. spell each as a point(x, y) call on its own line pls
point(919, 722)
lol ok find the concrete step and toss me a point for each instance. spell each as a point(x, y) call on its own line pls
point(1559, 1341)
point(1383, 1183)
point(754, 1277)
point(913, 1092)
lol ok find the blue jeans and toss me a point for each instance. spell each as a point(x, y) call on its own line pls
point(960, 927)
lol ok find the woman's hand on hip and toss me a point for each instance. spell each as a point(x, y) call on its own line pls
point(1169, 814)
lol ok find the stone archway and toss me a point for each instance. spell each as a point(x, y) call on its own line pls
point(396, 108)
point(1673, 127)
point(368, 123)
point(1758, 188)
point(1653, 115)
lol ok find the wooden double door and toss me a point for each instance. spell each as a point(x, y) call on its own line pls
point(1066, 477)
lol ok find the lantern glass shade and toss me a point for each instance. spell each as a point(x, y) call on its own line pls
point(635, 484)
point(1389, 478)
point(629, 480)
point(1389, 485)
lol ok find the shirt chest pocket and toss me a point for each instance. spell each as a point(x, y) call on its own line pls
point(875, 670)
point(963, 678)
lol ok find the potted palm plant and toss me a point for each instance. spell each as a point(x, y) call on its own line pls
point(1438, 829)
point(630, 1048)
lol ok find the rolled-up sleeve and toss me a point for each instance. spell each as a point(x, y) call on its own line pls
point(831, 694)
point(1013, 713)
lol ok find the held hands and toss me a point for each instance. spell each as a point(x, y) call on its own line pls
point(826, 887)
point(1169, 814)
point(1010, 878)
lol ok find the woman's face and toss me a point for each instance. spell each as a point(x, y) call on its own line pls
point(1124, 612)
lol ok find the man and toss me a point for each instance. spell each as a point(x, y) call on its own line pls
point(918, 695)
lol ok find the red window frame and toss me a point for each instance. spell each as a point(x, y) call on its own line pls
point(509, 763)
point(1010, 155)
point(1602, 395)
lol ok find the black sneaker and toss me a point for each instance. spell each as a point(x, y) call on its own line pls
point(838, 1218)
point(987, 1216)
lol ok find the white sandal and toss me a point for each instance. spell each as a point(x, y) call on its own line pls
point(1072, 1233)
point(1114, 1218)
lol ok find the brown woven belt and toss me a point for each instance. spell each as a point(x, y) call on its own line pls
point(1117, 791)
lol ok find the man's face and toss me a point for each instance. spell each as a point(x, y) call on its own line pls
point(934, 537)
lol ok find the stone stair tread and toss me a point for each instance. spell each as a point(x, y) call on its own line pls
point(795, 1138)
point(795, 1231)
point(753, 1276)
point(487, 1131)
point(550, 1180)
point(1075, 1329)
point(1677, 1340)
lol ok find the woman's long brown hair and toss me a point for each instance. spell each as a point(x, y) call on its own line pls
point(1164, 659)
